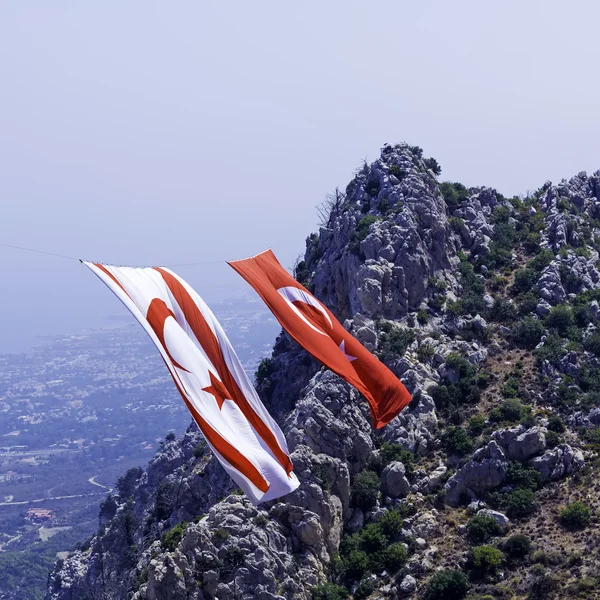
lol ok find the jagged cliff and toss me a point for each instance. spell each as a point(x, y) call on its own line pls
point(486, 308)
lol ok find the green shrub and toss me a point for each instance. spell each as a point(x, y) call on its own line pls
point(486, 559)
point(170, 436)
point(456, 223)
point(525, 279)
point(365, 489)
point(365, 588)
point(552, 439)
point(170, 540)
point(555, 423)
point(449, 396)
point(199, 450)
point(560, 318)
point(517, 546)
point(126, 483)
point(423, 316)
point(372, 538)
point(433, 164)
point(457, 441)
point(329, 591)
point(519, 503)
point(521, 476)
point(454, 194)
point(528, 332)
point(552, 350)
point(477, 424)
point(576, 515)
point(261, 520)
point(541, 260)
point(362, 228)
point(592, 343)
point(425, 352)
point(527, 303)
point(356, 564)
point(391, 522)
point(510, 388)
point(449, 584)
point(220, 535)
point(393, 341)
point(503, 311)
point(394, 557)
point(483, 527)
point(510, 410)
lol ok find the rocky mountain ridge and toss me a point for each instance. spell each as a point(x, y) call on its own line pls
point(486, 308)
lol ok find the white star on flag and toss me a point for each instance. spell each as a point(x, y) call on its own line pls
point(343, 349)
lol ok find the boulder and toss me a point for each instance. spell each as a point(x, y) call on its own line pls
point(484, 472)
point(558, 462)
point(520, 443)
point(393, 480)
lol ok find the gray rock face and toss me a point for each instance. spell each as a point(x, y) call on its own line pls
point(558, 462)
point(520, 443)
point(486, 471)
point(394, 483)
point(385, 274)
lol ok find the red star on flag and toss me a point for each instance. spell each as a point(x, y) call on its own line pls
point(218, 390)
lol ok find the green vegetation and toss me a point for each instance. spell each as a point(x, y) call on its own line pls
point(393, 340)
point(522, 476)
point(126, 483)
point(361, 231)
point(371, 550)
point(592, 343)
point(199, 450)
point(422, 316)
point(471, 298)
point(528, 332)
point(519, 503)
point(448, 584)
point(457, 441)
point(555, 423)
point(170, 540)
point(477, 424)
point(170, 437)
point(425, 352)
point(388, 453)
point(483, 527)
point(510, 410)
point(221, 535)
point(365, 489)
point(329, 591)
point(560, 318)
point(486, 559)
point(454, 194)
point(525, 279)
point(576, 515)
point(517, 546)
point(451, 396)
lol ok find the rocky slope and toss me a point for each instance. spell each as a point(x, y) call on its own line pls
point(486, 308)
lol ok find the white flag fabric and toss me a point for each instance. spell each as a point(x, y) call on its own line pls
point(209, 377)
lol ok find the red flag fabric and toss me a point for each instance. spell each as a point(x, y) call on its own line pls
point(316, 329)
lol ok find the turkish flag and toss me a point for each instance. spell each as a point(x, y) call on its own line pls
point(315, 328)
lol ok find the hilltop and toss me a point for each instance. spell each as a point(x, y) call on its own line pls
point(486, 307)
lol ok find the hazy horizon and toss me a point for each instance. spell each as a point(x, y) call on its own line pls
point(151, 134)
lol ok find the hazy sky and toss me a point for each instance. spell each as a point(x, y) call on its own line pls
point(173, 132)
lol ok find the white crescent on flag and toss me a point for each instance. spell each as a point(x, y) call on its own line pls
point(293, 294)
